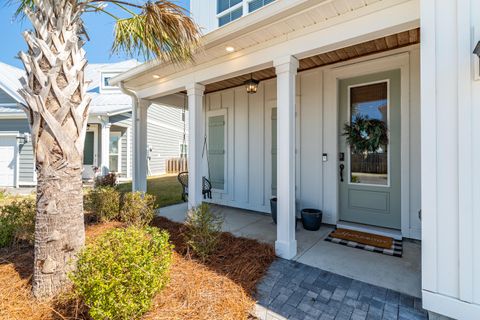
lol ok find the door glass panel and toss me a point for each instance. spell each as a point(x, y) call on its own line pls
point(114, 152)
point(88, 149)
point(369, 114)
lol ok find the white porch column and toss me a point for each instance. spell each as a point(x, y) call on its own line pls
point(195, 143)
point(286, 69)
point(105, 147)
point(139, 177)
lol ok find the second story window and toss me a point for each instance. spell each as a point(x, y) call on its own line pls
point(223, 5)
point(257, 4)
point(228, 10)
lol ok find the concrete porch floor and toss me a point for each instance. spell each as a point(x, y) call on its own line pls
point(398, 274)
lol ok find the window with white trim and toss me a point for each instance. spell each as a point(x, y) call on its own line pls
point(115, 151)
point(230, 10)
point(105, 84)
point(257, 4)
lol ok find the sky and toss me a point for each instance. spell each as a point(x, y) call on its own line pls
point(99, 28)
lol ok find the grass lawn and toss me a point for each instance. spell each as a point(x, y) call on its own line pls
point(166, 189)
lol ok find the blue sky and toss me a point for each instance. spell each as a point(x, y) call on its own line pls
point(99, 27)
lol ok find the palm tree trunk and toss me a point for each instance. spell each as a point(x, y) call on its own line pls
point(57, 108)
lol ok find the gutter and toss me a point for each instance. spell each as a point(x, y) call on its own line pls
point(134, 97)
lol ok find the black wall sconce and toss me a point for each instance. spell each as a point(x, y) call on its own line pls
point(476, 52)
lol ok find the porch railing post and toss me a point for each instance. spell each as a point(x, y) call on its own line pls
point(195, 110)
point(286, 70)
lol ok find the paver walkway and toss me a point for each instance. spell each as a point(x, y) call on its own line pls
point(292, 290)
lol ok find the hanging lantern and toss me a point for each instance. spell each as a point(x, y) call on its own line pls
point(251, 85)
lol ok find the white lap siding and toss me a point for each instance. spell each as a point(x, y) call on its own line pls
point(165, 134)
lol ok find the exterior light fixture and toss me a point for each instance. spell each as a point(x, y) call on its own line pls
point(476, 52)
point(251, 85)
point(156, 76)
point(230, 49)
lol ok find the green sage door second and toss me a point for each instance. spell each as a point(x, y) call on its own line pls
point(370, 172)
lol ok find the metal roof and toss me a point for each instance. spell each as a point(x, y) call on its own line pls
point(112, 102)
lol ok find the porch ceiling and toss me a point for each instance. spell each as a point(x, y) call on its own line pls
point(390, 42)
point(273, 24)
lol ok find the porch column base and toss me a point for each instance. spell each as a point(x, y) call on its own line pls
point(286, 249)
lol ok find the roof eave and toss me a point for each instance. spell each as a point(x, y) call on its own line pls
point(255, 20)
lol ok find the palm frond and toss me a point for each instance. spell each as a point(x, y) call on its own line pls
point(161, 30)
point(21, 6)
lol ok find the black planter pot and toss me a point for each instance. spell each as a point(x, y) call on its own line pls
point(273, 209)
point(311, 219)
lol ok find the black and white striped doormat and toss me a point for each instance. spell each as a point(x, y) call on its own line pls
point(396, 250)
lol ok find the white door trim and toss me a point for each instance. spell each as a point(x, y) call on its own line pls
point(119, 154)
point(93, 128)
point(16, 172)
point(332, 76)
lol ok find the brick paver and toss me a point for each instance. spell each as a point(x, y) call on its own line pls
point(293, 290)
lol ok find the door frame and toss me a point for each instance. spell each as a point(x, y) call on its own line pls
point(93, 127)
point(16, 171)
point(119, 154)
point(331, 129)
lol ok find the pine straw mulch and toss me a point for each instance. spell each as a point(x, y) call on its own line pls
point(221, 288)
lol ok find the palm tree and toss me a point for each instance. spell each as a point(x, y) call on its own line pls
point(58, 107)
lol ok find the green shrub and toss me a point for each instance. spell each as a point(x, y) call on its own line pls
point(17, 222)
point(119, 274)
point(202, 230)
point(137, 208)
point(104, 203)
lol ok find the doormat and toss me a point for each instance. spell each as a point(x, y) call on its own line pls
point(366, 241)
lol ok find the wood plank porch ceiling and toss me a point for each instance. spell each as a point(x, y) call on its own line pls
point(390, 42)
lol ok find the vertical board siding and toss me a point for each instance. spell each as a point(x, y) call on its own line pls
point(256, 143)
point(240, 162)
point(311, 140)
point(447, 145)
point(415, 144)
point(249, 145)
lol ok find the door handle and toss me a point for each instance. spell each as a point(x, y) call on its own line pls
point(342, 166)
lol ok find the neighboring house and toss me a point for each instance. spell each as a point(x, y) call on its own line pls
point(110, 121)
point(320, 65)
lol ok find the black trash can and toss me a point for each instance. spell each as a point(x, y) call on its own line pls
point(311, 219)
point(273, 209)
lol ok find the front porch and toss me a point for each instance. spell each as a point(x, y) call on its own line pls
point(397, 274)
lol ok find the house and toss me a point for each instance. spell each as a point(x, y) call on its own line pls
point(313, 67)
point(109, 121)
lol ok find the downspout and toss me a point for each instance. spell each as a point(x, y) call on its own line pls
point(134, 97)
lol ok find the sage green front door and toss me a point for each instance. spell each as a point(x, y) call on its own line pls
point(369, 171)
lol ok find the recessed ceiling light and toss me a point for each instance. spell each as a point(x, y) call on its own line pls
point(230, 49)
point(156, 76)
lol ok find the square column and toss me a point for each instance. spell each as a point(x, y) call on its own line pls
point(195, 143)
point(140, 146)
point(105, 147)
point(286, 70)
